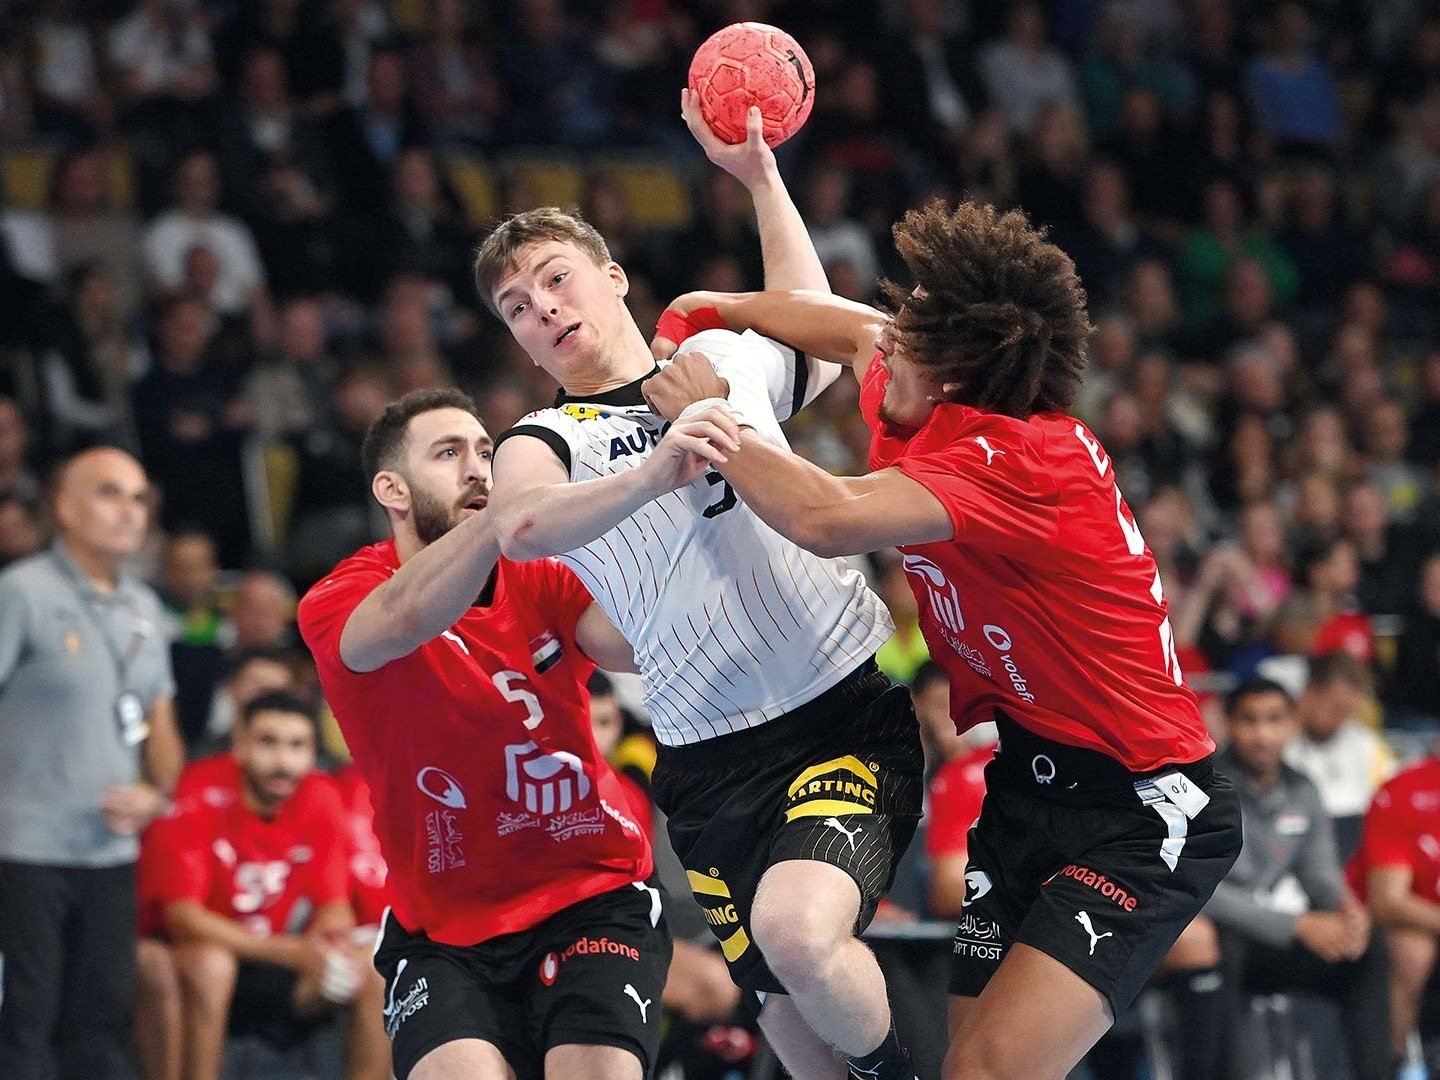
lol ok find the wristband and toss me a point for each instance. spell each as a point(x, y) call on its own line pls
point(678, 327)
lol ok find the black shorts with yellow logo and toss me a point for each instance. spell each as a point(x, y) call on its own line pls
point(839, 780)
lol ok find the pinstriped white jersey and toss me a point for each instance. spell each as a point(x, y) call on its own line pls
point(732, 624)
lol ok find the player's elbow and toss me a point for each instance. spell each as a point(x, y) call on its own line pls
point(519, 535)
point(821, 532)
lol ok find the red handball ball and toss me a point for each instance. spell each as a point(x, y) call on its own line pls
point(748, 64)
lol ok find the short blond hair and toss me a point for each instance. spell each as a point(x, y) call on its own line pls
point(500, 252)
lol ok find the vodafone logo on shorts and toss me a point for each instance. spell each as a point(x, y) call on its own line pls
point(1117, 894)
point(585, 946)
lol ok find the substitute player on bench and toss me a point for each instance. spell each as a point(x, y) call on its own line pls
point(789, 767)
point(1104, 828)
point(524, 940)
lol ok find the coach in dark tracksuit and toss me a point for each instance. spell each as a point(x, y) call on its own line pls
point(1287, 921)
point(88, 753)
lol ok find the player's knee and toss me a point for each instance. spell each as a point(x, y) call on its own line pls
point(1197, 947)
point(207, 973)
point(976, 1055)
point(156, 976)
point(798, 952)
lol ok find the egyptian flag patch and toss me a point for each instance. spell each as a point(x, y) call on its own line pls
point(545, 652)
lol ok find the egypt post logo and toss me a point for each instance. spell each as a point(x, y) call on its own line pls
point(713, 895)
point(843, 785)
point(581, 412)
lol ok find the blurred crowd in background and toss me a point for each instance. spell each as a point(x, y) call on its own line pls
point(231, 230)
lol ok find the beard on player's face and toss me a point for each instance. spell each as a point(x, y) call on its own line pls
point(433, 516)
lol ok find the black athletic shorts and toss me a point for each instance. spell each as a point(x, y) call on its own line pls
point(838, 780)
point(1094, 865)
point(590, 975)
point(263, 1006)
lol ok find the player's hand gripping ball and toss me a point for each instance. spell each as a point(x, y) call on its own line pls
point(748, 64)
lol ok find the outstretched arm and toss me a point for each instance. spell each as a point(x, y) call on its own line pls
point(540, 513)
point(427, 595)
point(817, 323)
point(829, 515)
point(789, 256)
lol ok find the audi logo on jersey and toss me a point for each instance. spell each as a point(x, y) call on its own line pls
point(544, 782)
point(944, 600)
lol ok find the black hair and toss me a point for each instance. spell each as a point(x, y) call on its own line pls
point(1251, 687)
point(385, 440)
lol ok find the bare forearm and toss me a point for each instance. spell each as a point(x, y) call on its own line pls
point(188, 921)
point(557, 518)
point(789, 256)
point(789, 494)
point(425, 597)
point(1407, 912)
point(164, 754)
point(833, 515)
point(817, 323)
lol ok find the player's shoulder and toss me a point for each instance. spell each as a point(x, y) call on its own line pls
point(1422, 777)
point(370, 559)
point(218, 771)
point(372, 563)
point(720, 343)
point(568, 419)
point(319, 793)
point(563, 428)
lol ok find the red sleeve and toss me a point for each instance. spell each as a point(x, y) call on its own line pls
point(185, 872)
point(330, 830)
point(999, 494)
point(562, 595)
point(954, 806)
point(1386, 839)
point(327, 607)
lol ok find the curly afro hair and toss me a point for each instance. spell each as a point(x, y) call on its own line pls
point(996, 309)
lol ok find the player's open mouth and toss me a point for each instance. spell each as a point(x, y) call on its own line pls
point(568, 331)
point(478, 503)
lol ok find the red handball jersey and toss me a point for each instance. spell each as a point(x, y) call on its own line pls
point(1047, 603)
point(1402, 828)
point(214, 779)
point(367, 864)
point(494, 807)
point(268, 875)
point(956, 794)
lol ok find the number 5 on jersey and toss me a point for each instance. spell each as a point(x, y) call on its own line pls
point(505, 682)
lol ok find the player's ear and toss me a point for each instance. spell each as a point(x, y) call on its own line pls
point(391, 491)
point(619, 279)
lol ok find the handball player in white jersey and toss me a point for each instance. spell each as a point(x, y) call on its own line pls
point(789, 767)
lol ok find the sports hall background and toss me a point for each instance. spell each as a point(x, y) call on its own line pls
point(233, 229)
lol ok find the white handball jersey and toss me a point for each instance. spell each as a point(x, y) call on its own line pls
point(732, 624)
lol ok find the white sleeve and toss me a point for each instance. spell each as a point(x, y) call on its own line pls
point(792, 378)
point(558, 429)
